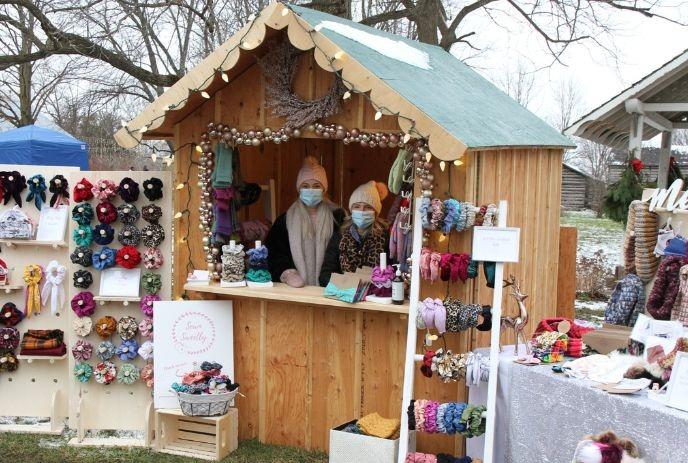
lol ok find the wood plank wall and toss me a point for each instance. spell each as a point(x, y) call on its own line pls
point(306, 369)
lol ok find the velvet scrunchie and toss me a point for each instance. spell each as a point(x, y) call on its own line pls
point(105, 258)
point(105, 350)
point(128, 350)
point(10, 315)
point(152, 188)
point(128, 374)
point(129, 235)
point(128, 257)
point(103, 234)
point(151, 213)
point(147, 304)
point(82, 235)
point(128, 213)
point(82, 191)
point(82, 279)
point(127, 327)
point(152, 258)
point(82, 350)
point(83, 372)
point(82, 213)
point(9, 338)
point(128, 190)
point(83, 304)
point(37, 189)
point(105, 372)
point(82, 326)
point(146, 327)
point(106, 326)
point(104, 190)
point(152, 235)
point(146, 350)
point(59, 187)
point(106, 212)
point(82, 255)
point(12, 184)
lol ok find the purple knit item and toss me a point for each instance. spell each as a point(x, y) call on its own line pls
point(147, 304)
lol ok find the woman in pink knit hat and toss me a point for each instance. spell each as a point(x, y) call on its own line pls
point(298, 239)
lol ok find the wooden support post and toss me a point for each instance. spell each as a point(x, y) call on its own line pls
point(664, 156)
point(635, 142)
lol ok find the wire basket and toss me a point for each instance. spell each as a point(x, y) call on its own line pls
point(205, 404)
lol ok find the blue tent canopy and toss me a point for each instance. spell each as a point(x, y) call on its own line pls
point(44, 147)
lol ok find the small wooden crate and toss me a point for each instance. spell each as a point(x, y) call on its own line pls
point(209, 438)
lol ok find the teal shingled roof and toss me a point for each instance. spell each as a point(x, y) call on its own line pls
point(451, 93)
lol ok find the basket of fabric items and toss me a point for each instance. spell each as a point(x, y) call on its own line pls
point(205, 391)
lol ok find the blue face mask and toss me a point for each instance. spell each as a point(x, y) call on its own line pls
point(311, 197)
point(363, 219)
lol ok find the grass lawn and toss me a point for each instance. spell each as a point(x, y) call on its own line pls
point(31, 448)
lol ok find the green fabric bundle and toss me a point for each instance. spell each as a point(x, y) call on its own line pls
point(223, 174)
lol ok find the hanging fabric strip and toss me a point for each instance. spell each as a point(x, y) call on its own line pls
point(53, 288)
point(33, 274)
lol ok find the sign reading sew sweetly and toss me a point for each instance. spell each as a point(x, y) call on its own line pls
point(670, 198)
point(187, 333)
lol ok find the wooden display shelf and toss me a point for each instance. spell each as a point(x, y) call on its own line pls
point(52, 244)
point(42, 358)
point(124, 300)
point(308, 295)
point(9, 288)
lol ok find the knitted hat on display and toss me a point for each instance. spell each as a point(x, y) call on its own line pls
point(311, 170)
point(371, 193)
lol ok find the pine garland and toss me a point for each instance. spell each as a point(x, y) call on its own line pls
point(621, 193)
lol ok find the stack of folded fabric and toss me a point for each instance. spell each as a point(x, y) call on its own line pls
point(49, 343)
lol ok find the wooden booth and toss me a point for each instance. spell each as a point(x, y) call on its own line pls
point(307, 363)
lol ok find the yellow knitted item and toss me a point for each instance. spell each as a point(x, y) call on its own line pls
point(375, 425)
point(33, 274)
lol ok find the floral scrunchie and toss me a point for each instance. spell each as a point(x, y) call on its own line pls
point(10, 315)
point(128, 350)
point(82, 279)
point(59, 187)
point(128, 190)
point(152, 188)
point(152, 235)
point(82, 256)
point(127, 327)
point(9, 338)
point(37, 189)
point(151, 282)
point(128, 374)
point(105, 258)
point(152, 258)
point(82, 235)
point(106, 212)
point(82, 191)
point(82, 350)
point(147, 374)
point(128, 257)
point(146, 350)
point(128, 213)
point(105, 350)
point(147, 304)
point(82, 213)
point(151, 213)
point(82, 326)
point(104, 190)
point(106, 326)
point(83, 304)
point(146, 328)
point(83, 372)
point(105, 372)
point(103, 234)
point(8, 362)
point(129, 235)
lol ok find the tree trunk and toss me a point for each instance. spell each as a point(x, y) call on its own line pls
point(26, 116)
point(427, 16)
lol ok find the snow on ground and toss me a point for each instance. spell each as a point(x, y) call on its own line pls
point(596, 233)
point(592, 305)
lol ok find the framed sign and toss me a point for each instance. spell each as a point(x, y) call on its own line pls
point(52, 223)
point(496, 244)
point(187, 333)
point(677, 394)
point(120, 282)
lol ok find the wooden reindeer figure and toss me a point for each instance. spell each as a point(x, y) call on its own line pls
point(519, 322)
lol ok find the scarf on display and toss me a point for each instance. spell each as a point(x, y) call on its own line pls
point(33, 274)
point(223, 175)
point(59, 187)
point(224, 211)
point(307, 250)
point(13, 183)
point(37, 191)
point(53, 289)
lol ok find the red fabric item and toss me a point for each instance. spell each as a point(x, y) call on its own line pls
point(54, 352)
point(106, 212)
point(575, 334)
point(82, 191)
point(128, 257)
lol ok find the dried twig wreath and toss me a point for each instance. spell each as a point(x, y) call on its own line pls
point(279, 65)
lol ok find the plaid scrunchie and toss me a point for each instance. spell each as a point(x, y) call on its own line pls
point(152, 258)
point(82, 326)
point(82, 213)
point(82, 191)
point(82, 235)
point(147, 374)
point(10, 315)
point(106, 326)
point(83, 304)
point(83, 372)
point(82, 350)
point(59, 187)
point(37, 191)
point(128, 213)
point(151, 213)
point(103, 234)
point(128, 257)
point(128, 350)
point(8, 362)
point(146, 350)
point(105, 372)
point(127, 327)
point(105, 350)
point(151, 282)
point(129, 235)
point(9, 338)
point(128, 374)
point(147, 304)
point(152, 188)
point(146, 327)
point(106, 212)
point(153, 235)
point(105, 258)
point(104, 190)
point(128, 190)
point(82, 255)
point(82, 279)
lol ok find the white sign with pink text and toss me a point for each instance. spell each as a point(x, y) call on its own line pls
point(187, 333)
